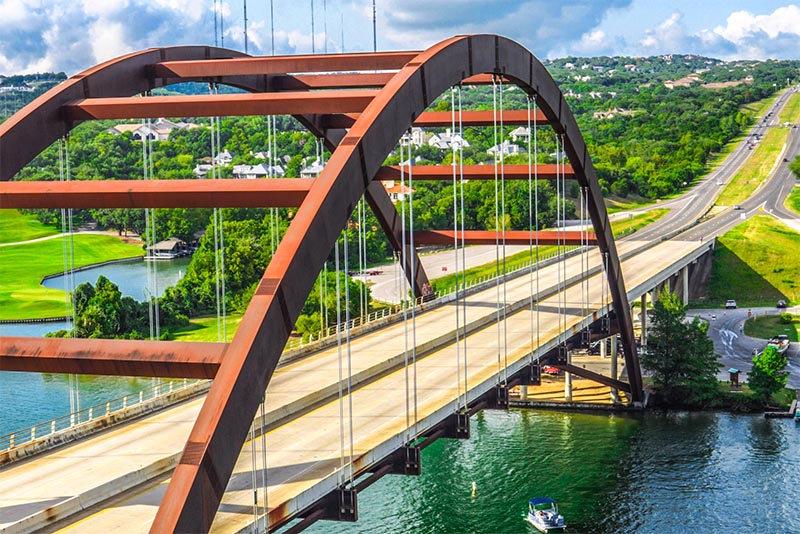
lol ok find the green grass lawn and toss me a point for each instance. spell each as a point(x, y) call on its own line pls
point(756, 264)
point(793, 200)
point(791, 111)
point(767, 326)
point(22, 268)
point(763, 159)
point(205, 328)
point(756, 168)
point(15, 227)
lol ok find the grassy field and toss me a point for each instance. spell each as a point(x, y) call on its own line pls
point(756, 168)
point(205, 328)
point(763, 159)
point(15, 227)
point(767, 326)
point(755, 110)
point(22, 268)
point(793, 200)
point(755, 264)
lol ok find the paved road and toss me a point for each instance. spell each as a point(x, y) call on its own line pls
point(735, 348)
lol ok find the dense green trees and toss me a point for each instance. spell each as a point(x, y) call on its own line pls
point(768, 374)
point(680, 355)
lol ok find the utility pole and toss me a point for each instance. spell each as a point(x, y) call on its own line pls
point(374, 28)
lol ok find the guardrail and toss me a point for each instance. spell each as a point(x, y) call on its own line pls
point(92, 413)
point(67, 422)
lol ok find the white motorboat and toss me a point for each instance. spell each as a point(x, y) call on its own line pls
point(543, 514)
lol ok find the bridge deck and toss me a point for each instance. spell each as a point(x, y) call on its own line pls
point(303, 454)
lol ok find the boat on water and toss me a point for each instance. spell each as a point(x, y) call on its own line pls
point(543, 514)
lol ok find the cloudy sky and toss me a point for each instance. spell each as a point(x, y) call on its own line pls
point(72, 35)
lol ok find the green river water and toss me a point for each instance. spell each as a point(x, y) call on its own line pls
point(655, 473)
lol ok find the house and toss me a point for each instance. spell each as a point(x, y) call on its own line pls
point(418, 137)
point(506, 148)
point(224, 158)
point(520, 133)
point(397, 191)
point(201, 170)
point(154, 131)
point(168, 249)
point(261, 170)
point(615, 112)
point(313, 170)
point(448, 141)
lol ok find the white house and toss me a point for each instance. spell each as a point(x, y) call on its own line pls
point(506, 148)
point(448, 141)
point(313, 170)
point(258, 171)
point(397, 191)
point(520, 134)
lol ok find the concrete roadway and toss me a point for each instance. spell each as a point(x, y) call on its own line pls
point(735, 348)
point(303, 454)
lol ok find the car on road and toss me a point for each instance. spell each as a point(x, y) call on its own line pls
point(737, 207)
point(781, 304)
point(730, 304)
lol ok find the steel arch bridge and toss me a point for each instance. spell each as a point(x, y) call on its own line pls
point(360, 104)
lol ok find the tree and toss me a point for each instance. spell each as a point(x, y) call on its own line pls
point(680, 355)
point(768, 376)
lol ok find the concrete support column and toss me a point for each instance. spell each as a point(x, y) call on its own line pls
point(614, 392)
point(568, 380)
point(523, 393)
point(603, 347)
point(685, 285)
point(644, 320)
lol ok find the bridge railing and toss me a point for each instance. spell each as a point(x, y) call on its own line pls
point(93, 413)
point(394, 309)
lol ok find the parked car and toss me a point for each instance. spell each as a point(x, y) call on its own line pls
point(730, 304)
point(781, 304)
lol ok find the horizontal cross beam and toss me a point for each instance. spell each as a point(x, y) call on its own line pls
point(512, 237)
point(288, 103)
point(116, 357)
point(594, 377)
point(541, 171)
point(227, 193)
point(351, 80)
point(212, 68)
point(444, 119)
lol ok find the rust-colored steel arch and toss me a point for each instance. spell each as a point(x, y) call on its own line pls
point(247, 363)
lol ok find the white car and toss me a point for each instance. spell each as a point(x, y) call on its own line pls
point(730, 304)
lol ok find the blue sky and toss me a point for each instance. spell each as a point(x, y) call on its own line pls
point(71, 35)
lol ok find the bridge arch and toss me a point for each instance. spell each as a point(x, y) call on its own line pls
point(247, 364)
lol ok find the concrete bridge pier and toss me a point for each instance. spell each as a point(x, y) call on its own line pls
point(614, 392)
point(568, 379)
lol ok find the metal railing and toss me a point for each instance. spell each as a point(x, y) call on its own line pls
point(428, 300)
point(92, 413)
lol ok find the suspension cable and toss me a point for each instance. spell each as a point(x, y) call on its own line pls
point(455, 243)
point(403, 300)
point(496, 222)
point(463, 239)
point(530, 223)
point(341, 370)
point(503, 231)
point(536, 221)
point(413, 256)
point(349, 352)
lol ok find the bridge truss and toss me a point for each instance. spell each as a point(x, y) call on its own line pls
point(360, 105)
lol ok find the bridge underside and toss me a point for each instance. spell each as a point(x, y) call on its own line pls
point(361, 126)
